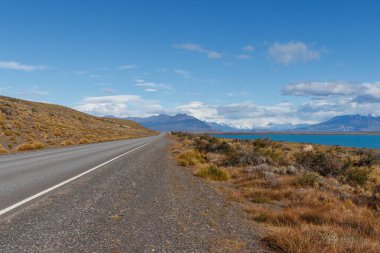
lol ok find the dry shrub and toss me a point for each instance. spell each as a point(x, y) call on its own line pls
point(3, 150)
point(212, 173)
point(316, 239)
point(67, 143)
point(84, 141)
point(333, 206)
point(190, 158)
point(30, 146)
point(308, 179)
point(358, 176)
point(324, 163)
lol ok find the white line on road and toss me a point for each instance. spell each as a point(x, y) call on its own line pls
point(5, 210)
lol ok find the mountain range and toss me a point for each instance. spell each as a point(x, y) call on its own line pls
point(187, 123)
point(345, 123)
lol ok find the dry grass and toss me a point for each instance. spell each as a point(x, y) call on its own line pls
point(190, 158)
point(327, 200)
point(212, 173)
point(26, 125)
point(116, 218)
point(30, 146)
point(3, 150)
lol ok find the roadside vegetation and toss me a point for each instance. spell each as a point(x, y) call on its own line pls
point(26, 125)
point(309, 198)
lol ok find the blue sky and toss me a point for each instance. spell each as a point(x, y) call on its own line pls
point(244, 63)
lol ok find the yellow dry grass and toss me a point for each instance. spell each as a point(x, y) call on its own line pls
point(26, 125)
point(300, 210)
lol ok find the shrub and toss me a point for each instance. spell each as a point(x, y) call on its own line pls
point(308, 179)
point(190, 158)
point(367, 160)
point(211, 144)
point(67, 143)
point(30, 146)
point(261, 143)
point(244, 157)
point(84, 141)
point(3, 150)
point(262, 217)
point(213, 173)
point(358, 176)
point(322, 162)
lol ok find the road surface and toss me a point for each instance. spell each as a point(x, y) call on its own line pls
point(24, 175)
point(139, 202)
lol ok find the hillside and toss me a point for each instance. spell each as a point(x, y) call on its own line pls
point(26, 125)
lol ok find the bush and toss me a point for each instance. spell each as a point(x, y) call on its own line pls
point(358, 176)
point(262, 217)
point(3, 150)
point(67, 143)
point(367, 160)
point(324, 163)
point(213, 173)
point(244, 157)
point(208, 144)
point(308, 179)
point(261, 143)
point(190, 158)
point(84, 141)
point(30, 146)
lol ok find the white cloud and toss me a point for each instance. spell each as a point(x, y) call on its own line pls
point(319, 88)
point(119, 105)
point(244, 56)
point(358, 92)
point(248, 48)
point(146, 84)
point(129, 66)
point(12, 65)
point(325, 108)
point(292, 52)
point(152, 86)
point(183, 73)
point(198, 48)
point(243, 115)
point(150, 89)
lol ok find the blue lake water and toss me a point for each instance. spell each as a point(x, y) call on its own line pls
point(348, 140)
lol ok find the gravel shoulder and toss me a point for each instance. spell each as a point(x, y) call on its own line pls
point(142, 202)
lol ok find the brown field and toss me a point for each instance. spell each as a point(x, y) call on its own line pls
point(26, 125)
point(308, 198)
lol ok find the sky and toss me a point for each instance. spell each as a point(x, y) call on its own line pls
point(244, 63)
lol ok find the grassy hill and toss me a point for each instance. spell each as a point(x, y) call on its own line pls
point(26, 125)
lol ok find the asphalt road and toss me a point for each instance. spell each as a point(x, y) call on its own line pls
point(140, 202)
point(24, 175)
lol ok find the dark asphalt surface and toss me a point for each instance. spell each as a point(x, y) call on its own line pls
point(24, 175)
point(142, 202)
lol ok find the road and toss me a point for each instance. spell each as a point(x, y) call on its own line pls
point(139, 202)
point(24, 175)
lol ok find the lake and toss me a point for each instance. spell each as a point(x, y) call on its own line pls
point(347, 140)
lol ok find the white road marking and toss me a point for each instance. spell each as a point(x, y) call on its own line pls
point(5, 210)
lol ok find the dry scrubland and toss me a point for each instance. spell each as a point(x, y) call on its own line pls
point(308, 198)
point(28, 125)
